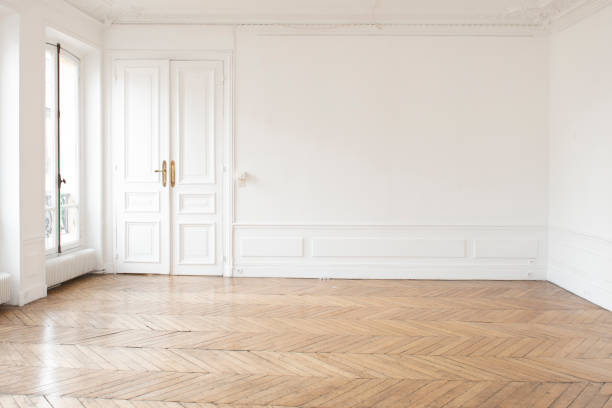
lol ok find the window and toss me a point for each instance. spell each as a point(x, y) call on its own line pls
point(62, 133)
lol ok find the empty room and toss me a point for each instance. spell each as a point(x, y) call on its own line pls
point(305, 203)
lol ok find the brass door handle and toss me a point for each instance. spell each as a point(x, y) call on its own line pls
point(164, 172)
point(172, 174)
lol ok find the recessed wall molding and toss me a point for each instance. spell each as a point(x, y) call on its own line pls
point(390, 251)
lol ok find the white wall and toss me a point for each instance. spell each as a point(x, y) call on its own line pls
point(369, 154)
point(426, 141)
point(437, 143)
point(32, 153)
point(581, 159)
point(22, 38)
point(93, 146)
point(430, 143)
point(10, 243)
point(392, 130)
point(22, 135)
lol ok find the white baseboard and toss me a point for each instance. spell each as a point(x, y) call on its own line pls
point(228, 271)
point(390, 252)
point(30, 295)
point(581, 264)
point(108, 268)
point(470, 272)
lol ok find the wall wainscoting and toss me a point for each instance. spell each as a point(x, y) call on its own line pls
point(581, 264)
point(390, 251)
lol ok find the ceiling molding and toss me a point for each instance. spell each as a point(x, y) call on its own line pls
point(391, 30)
point(568, 18)
point(533, 17)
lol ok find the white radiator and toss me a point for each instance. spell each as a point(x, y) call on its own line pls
point(70, 265)
point(5, 287)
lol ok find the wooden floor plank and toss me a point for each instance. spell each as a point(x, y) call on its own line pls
point(128, 341)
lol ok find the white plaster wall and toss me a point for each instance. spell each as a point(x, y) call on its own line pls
point(416, 138)
point(10, 243)
point(66, 19)
point(581, 158)
point(31, 153)
point(169, 37)
point(365, 151)
point(391, 130)
point(92, 152)
point(23, 36)
point(386, 156)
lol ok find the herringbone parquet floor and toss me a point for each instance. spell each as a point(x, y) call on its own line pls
point(126, 341)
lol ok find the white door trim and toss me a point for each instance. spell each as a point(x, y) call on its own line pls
point(228, 187)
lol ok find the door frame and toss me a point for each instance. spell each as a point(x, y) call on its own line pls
point(110, 145)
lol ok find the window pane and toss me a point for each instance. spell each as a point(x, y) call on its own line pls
point(50, 150)
point(69, 149)
point(69, 224)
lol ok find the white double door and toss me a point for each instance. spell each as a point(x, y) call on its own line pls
point(167, 149)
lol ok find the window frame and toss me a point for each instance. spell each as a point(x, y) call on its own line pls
point(56, 208)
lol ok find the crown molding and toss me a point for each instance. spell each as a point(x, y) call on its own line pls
point(565, 19)
point(498, 30)
point(531, 18)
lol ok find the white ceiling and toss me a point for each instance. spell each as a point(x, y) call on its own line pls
point(325, 11)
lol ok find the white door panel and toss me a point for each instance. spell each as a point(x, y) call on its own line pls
point(168, 111)
point(197, 107)
point(141, 143)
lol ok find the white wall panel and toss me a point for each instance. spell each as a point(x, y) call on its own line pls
point(271, 247)
point(379, 251)
point(526, 249)
point(387, 247)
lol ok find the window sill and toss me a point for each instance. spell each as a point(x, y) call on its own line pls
point(67, 251)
